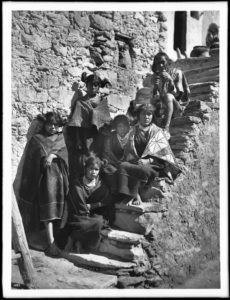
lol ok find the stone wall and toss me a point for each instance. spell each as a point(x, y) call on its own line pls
point(50, 50)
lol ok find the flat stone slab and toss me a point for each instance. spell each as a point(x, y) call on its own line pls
point(97, 261)
point(122, 236)
point(143, 208)
point(130, 254)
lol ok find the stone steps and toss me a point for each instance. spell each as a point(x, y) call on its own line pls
point(98, 262)
point(138, 219)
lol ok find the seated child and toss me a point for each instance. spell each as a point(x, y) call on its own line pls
point(114, 147)
point(147, 156)
point(89, 208)
point(170, 90)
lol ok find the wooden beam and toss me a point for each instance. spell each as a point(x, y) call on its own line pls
point(21, 247)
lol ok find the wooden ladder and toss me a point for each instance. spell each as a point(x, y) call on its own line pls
point(21, 248)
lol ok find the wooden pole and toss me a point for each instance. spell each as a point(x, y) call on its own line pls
point(21, 247)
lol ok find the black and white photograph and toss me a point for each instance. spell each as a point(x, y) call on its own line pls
point(115, 149)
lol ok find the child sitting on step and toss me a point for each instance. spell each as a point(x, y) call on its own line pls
point(114, 147)
point(90, 208)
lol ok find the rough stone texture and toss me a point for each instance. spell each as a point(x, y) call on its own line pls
point(50, 50)
point(129, 254)
point(123, 236)
point(63, 274)
point(98, 261)
point(137, 222)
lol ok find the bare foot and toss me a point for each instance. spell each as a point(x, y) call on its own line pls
point(136, 201)
point(53, 250)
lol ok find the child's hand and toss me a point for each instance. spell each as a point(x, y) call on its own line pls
point(144, 161)
point(49, 159)
point(166, 75)
point(88, 206)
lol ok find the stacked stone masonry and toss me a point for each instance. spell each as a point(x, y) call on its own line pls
point(51, 49)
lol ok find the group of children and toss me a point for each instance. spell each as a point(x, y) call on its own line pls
point(71, 180)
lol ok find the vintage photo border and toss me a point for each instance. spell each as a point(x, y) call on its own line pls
point(7, 177)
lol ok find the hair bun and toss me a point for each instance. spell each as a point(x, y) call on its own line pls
point(84, 76)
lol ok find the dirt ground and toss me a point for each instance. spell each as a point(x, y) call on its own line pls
point(58, 273)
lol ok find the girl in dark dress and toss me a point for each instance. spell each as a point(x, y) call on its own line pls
point(90, 208)
point(44, 182)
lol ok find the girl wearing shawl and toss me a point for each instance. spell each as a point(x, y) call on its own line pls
point(88, 115)
point(90, 208)
point(148, 155)
point(170, 88)
point(44, 182)
point(114, 148)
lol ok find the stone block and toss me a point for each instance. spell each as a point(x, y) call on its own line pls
point(76, 38)
point(127, 281)
point(49, 62)
point(180, 121)
point(202, 88)
point(26, 94)
point(26, 53)
point(119, 102)
point(202, 75)
point(37, 42)
point(108, 58)
point(42, 96)
point(59, 50)
point(139, 17)
point(49, 81)
point(190, 130)
point(62, 95)
point(133, 253)
point(137, 219)
point(98, 261)
point(58, 20)
point(123, 237)
point(188, 64)
point(100, 23)
point(75, 71)
point(81, 22)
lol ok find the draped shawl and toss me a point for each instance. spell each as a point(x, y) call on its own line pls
point(157, 146)
point(42, 191)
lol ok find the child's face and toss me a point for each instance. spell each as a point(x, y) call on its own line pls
point(92, 87)
point(122, 129)
point(92, 171)
point(51, 128)
point(161, 64)
point(145, 118)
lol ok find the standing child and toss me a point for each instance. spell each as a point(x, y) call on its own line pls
point(44, 182)
point(88, 115)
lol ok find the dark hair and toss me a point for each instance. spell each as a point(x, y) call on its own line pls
point(157, 57)
point(144, 107)
point(120, 119)
point(93, 159)
point(50, 118)
point(213, 28)
point(94, 78)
